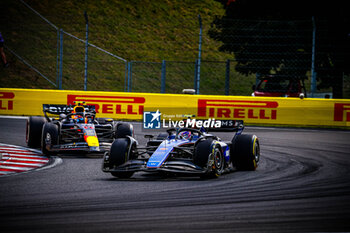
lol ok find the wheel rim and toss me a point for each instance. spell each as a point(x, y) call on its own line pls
point(48, 139)
point(218, 159)
point(257, 152)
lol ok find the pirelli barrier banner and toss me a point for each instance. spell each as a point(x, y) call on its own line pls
point(133, 106)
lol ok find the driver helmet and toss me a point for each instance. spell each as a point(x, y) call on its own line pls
point(185, 134)
point(79, 109)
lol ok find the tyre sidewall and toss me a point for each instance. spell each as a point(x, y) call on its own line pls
point(206, 151)
point(245, 152)
point(123, 130)
point(202, 151)
point(49, 137)
point(34, 128)
point(118, 155)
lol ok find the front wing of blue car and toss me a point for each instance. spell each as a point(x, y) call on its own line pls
point(176, 166)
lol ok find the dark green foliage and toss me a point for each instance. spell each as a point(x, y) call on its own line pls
point(277, 38)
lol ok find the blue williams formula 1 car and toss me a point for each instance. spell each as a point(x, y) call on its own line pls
point(184, 151)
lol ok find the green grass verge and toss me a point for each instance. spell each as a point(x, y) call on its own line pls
point(149, 31)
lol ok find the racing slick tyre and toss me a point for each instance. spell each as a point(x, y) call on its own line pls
point(118, 155)
point(245, 152)
point(123, 130)
point(33, 131)
point(49, 137)
point(202, 151)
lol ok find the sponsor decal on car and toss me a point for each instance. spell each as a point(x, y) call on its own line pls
point(59, 108)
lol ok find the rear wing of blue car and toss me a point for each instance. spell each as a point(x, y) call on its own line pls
point(227, 126)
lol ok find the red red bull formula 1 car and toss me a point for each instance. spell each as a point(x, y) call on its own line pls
point(74, 129)
point(183, 151)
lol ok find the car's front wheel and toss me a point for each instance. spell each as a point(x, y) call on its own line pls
point(34, 130)
point(118, 155)
point(123, 130)
point(208, 154)
point(49, 137)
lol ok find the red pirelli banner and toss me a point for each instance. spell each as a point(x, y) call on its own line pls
point(131, 106)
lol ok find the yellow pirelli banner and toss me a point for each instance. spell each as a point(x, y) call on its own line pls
point(131, 106)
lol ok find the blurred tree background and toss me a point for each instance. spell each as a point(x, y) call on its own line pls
point(280, 18)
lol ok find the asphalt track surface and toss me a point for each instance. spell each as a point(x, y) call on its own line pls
point(302, 185)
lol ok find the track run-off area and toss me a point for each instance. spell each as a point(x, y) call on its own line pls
point(16, 159)
point(302, 184)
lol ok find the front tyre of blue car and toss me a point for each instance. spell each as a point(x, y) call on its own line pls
point(118, 155)
point(208, 155)
point(219, 162)
point(123, 130)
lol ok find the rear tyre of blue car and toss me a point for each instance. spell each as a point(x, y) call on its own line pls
point(245, 152)
point(118, 155)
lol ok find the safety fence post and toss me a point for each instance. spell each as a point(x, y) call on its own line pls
point(61, 60)
point(313, 73)
point(129, 76)
point(86, 50)
point(126, 77)
point(58, 58)
point(198, 74)
point(163, 76)
point(195, 86)
point(227, 77)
